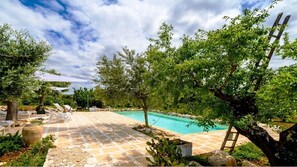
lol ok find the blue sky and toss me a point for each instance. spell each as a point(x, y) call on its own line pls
point(81, 31)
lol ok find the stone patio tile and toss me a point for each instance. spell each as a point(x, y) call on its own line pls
point(103, 158)
point(110, 149)
point(141, 160)
point(135, 153)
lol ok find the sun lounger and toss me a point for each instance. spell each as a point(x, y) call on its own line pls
point(2, 129)
point(68, 108)
point(59, 113)
point(7, 124)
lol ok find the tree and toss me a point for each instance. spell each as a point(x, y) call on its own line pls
point(125, 77)
point(225, 74)
point(20, 56)
point(83, 97)
point(46, 90)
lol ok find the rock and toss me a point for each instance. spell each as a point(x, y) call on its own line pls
point(221, 158)
point(194, 163)
point(247, 163)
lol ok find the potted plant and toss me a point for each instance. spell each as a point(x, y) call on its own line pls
point(185, 146)
point(166, 152)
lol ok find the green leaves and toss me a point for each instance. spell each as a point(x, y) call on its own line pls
point(20, 56)
point(164, 153)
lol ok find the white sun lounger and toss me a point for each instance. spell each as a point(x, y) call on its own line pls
point(2, 129)
point(7, 124)
point(59, 114)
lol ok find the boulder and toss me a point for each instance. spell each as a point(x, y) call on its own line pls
point(247, 163)
point(194, 163)
point(221, 158)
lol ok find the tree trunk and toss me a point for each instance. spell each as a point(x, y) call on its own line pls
point(12, 108)
point(279, 153)
point(40, 108)
point(144, 107)
point(288, 146)
point(263, 140)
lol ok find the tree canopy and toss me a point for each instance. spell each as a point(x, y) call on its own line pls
point(124, 77)
point(225, 73)
point(21, 55)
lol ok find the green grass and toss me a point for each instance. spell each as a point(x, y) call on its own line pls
point(248, 151)
point(201, 159)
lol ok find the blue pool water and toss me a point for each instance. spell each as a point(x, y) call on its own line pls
point(173, 123)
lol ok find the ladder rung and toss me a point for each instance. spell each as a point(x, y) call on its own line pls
point(233, 132)
point(231, 140)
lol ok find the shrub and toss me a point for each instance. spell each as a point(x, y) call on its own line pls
point(201, 159)
point(36, 155)
point(27, 108)
point(248, 151)
point(164, 153)
point(10, 143)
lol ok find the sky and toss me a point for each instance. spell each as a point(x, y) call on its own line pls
point(80, 31)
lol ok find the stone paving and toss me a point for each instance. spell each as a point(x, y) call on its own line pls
point(109, 137)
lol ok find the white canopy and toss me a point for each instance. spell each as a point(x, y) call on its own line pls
point(58, 88)
point(47, 77)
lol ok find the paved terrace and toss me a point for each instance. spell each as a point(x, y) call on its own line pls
point(109, 137)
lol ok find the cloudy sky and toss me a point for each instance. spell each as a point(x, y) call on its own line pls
point(81, 31)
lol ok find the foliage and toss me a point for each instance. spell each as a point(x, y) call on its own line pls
point(164, 153)
point(20, 56)
point(248, 151)
point(85, 98)
point(36, 155)
point(10, 143)
point(225, 73)
point(38, 122)
point(277, 98)
point(125, 78)
point(26, 108)
point(201, 159)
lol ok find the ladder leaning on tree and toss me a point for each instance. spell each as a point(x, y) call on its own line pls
point(232, 135)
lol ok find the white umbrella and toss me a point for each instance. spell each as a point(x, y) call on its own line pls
point(47, 77)
point(58, 88)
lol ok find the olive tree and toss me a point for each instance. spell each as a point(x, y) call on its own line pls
point(124, 77)
point(225, 73)
point(20, 57)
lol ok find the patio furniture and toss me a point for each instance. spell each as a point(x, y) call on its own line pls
point(68, 108)
point(59, 113)
point(7, 124)
point(25, 113)
point(56, 115)
point(2, 129)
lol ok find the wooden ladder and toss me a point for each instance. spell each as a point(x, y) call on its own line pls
point(231, 136)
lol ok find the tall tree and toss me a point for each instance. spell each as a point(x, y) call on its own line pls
point(125, 75)
point(225, 73)
point(46, 90)
point(20, 56)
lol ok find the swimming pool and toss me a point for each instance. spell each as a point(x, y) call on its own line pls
point(173, 123)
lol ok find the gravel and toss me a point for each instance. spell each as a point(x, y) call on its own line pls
point(70, 157)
